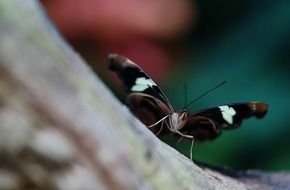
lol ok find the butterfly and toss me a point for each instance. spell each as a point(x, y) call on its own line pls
point(150, 105)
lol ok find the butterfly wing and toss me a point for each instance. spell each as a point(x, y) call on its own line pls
point(145, 99)
point(207, 124)
point(148, 109)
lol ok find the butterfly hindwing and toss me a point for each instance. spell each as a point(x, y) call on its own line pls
point(207, 124)
point(147, 108)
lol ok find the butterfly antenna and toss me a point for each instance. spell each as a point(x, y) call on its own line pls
point(205, 93)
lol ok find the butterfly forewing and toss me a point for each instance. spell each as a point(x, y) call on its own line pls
point(207, 124)
point(145, 99)
point(134, 79)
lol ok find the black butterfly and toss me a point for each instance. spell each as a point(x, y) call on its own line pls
point(151, 106)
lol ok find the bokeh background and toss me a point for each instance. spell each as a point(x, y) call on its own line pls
point(200, 43)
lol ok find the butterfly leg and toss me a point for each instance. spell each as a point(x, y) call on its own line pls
point(161, 128)
point(155, 124)
point(184, 135)
point(192, 142)
point(161, 120)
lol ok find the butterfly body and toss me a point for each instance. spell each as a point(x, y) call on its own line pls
point(177, 120)
point(148, 103)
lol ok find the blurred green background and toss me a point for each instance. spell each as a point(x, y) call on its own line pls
point(201, 43)
point(246, 43)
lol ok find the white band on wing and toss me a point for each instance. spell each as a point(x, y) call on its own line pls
point(142, 83)
point(227, 113)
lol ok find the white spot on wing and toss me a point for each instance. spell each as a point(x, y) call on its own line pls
point(227, 113)
point(142, 83)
